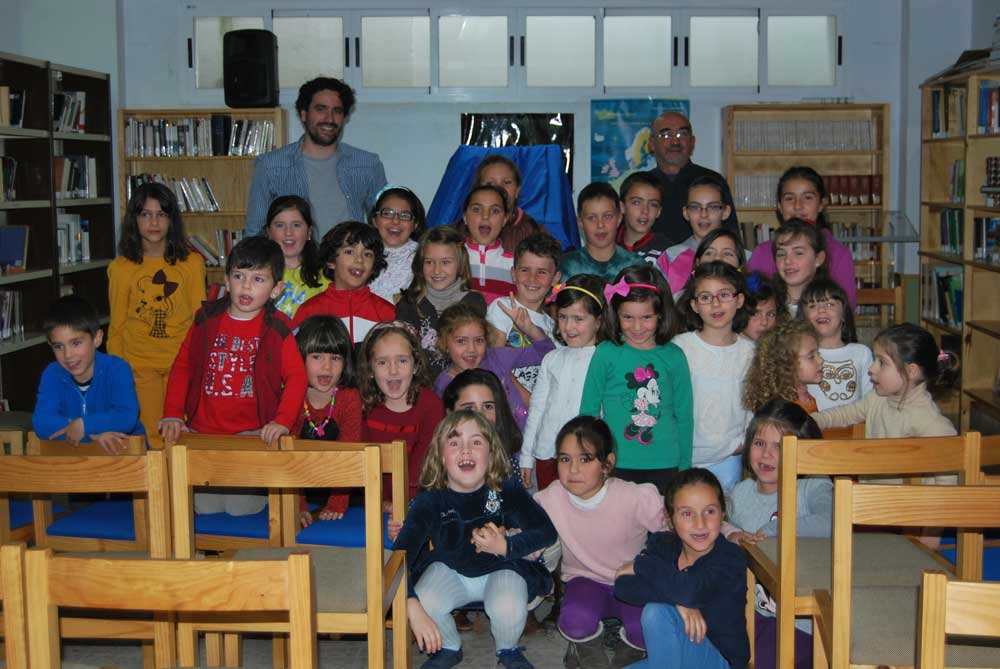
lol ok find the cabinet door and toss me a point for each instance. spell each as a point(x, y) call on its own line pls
point(392, 50)
point(559, 50)
point(802, 51)
point(474, 52)
point(309, 42)
point(721, 50)
point(639, 50)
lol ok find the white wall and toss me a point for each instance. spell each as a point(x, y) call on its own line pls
point(81, 33)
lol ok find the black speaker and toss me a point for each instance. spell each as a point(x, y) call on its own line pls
point(250, 68)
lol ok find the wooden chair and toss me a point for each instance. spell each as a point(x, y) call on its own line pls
point(393, 462)
point(43, 475)
point(13, 625)
point(17, 512)
point(876, 624)
point(104, 525)
point(885, 297)
point(792, 569)
point(954, 607)
point(355, 586)
point(189, 586)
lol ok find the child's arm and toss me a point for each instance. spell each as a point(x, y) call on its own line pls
point(536, 530)
point(682, 405)
point(845, 415)
point(47, 420)
point(173, 419)
point(815, 509)
point(123, 413)
point(293, 378)
point(539, 399)
point(118, 299)
point(593, 385)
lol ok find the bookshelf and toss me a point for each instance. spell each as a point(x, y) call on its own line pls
point(63, 173)
point(165, 142)
point(848, 145)
point(959, 231)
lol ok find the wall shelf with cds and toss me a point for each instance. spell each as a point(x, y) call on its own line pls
point(960, 231)
point(205, 156)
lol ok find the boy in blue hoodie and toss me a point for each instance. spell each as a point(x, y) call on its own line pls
point(85, 395)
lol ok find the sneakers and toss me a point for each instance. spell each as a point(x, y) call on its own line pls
point(513, 658)
point(586, 655)
point(443, 659)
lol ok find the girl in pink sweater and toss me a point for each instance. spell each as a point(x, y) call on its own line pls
point(602, 523)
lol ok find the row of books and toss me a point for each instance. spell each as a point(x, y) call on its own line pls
point(849, 232)
point(68, 110)
point(757, 190)
point(193, 193)
point(75, 176)
point(12, 106)
point(952, 230)
point(941, 294)
point(801, 135)
point(956, 181)
point(991, 184)
point(986, 239)
point(988, 118)
point(11, 318)
point(225, 240)
point(948, 111)
point(8, 172)
point(72, 238)
point(215, 135)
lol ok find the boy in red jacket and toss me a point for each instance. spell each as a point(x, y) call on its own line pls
point(239, 370)
point(354, 256)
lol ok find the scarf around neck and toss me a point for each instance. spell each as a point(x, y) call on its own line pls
point(442, 299)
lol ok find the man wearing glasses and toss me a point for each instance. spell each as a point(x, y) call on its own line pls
point(338, 180)
point(672, 143)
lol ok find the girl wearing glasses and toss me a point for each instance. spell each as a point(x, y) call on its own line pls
point(718, 356)
point(399, 218)
point(154, 286)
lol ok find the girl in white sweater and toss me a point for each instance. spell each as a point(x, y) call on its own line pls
point(580, 325)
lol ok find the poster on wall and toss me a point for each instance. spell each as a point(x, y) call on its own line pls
point(619, 135)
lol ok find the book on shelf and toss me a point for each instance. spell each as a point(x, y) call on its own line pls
point(11, 321)
point(201, 247)
point(8, 172)
point(948, 112)
point(986, 239)
point(988, 116)
point(849, 232)
point(951, 226)
point(68, 111)
point(72, 238)
point(225, 240)
point(956, 181)
point(4, 105)
point(13, 247)
point(75, 176)
point(215, 135)
point(192, 193)
point(942, 294)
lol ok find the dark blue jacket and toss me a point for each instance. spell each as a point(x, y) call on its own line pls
point(716, 585)
point(446, 518)
point(111, 404)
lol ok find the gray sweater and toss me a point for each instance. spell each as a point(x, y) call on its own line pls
point(750, 510)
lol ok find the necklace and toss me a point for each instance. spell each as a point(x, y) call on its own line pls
point(320, 429)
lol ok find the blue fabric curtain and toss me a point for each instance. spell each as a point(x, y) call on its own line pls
point(545, 192)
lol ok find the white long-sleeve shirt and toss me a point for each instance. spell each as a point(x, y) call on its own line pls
point(555, 399)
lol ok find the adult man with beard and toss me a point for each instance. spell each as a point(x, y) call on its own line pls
point(339, 180)
point(671, 141)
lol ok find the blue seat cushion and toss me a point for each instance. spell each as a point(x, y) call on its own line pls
point(991, 561)
point(254, 526)
point(348, 532)
point(105, 519)
point(21, 514)
point(948, 535)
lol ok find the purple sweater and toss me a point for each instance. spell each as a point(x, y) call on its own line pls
point(838, 257)
point(502, 362)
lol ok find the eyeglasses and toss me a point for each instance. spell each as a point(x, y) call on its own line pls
point(404, 216)
point(723, 296)
point(695, 209)
point(680, 133)
point(146, 216)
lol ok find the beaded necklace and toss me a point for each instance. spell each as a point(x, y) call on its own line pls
point(320, 429)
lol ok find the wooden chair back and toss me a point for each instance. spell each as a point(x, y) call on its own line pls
point(954, 607)
point(12, 442)
point(852, 457)
point(392, 458)
point(991, 458)
point(885, 297)
point(190, 586)
point(915, 506)
point(13, 627)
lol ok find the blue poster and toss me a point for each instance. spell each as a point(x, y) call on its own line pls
point(619, 132)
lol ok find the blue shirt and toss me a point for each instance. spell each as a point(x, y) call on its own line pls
point(581, 262)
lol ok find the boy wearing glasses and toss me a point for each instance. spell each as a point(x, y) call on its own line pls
point(704, 210)
point(599, 214)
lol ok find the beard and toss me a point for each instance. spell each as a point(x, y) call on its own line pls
point(319, 139)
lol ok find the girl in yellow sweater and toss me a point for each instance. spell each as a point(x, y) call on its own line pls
point(155, 285)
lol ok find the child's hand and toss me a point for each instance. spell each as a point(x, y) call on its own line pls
point(171, 428)
point(526, 476)
point(746, 537)
point(328, 514)
point(627, 569)
point(387, 507)
point(694, 623)
point(269, 433)
point(73, 432)
point(425, 630)
point(522, 320)
point(112, 443)
point(490, 539)
point(394, 526)
point(305, 518)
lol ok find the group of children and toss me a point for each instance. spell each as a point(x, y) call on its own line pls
point(632, 396)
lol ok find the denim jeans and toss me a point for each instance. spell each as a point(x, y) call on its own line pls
point(668, 646)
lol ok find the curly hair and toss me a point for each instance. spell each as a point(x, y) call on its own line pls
point(774, 370)
point(308, 91)
point(350, 233)
point(434, 476)
point(371, 395)
point(130, 243)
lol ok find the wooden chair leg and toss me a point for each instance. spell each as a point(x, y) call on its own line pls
point(148, 655)
point(400, 630)
point(750, 612)
point(187, 646)
point(233, 650)
point(165, 640)
point(376, 642)
point(279, 651)
point(213, 649)
point(819, 655)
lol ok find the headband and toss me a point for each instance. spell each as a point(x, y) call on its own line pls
point(559, 287)
point(623, 288)
point(390, 187)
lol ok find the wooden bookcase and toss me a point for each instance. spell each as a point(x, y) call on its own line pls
point(229, 176)
point(950, 133)
point(37, 145)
